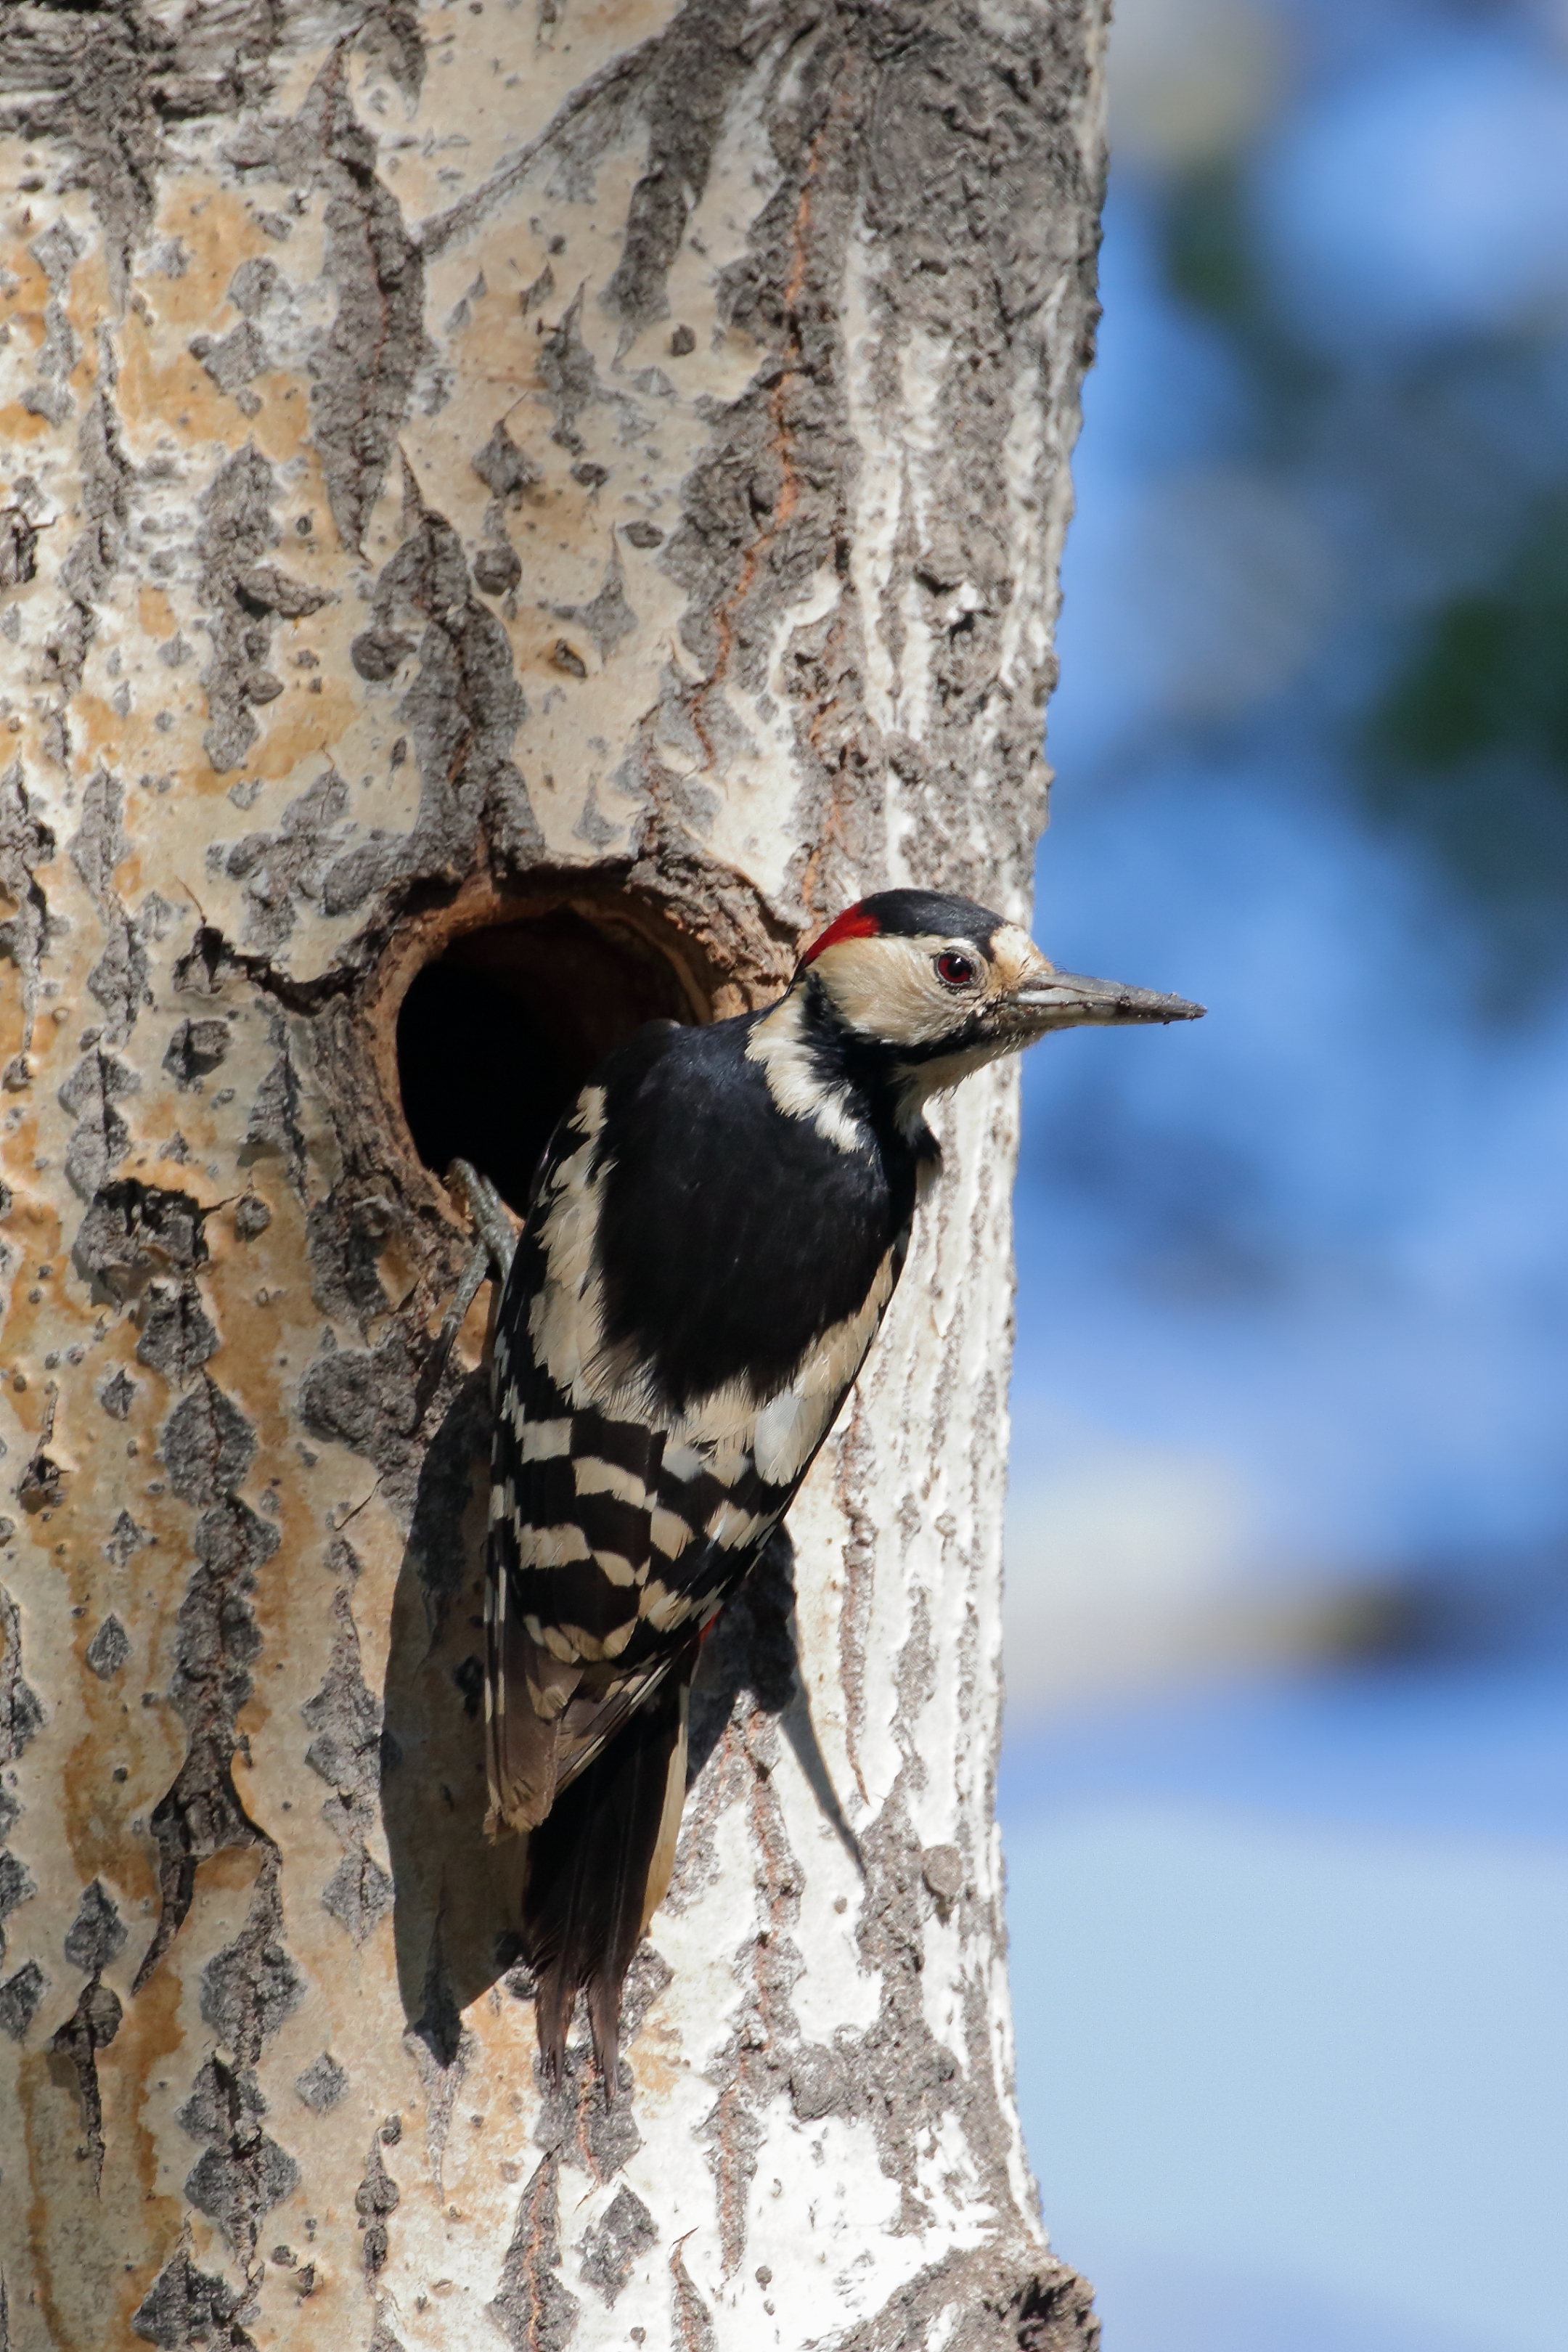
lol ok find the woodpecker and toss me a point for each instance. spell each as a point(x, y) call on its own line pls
point(714, 1232)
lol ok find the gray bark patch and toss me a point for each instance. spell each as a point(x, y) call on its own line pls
point(185, 2306)
point(246, 1991)
point(497, 570)
point(701, 58)
point(215, 1643)
point(624, 2232)
point(125, 1538)
point(26, 845)
point(100, 1139)
point(233, 358)
point(18, 548)
point(94, 556)
point(365, 365)
point(194, 1051)
point(97, 79)
point(377, 2197)
point(251, 1217)
point(363, 1398)
point(278, 870)
point(252, 1984)
point(90, 2028)
point(345, 1722)
point(504, 469)
point(463, 709)
point(345, 1751)
point(274, 1124)
point(97, 1935)
point(208, 1445)
point(108, 1649)
point(322, 2084)
point(236, 2186)
point(177, 1333)
point(99, 844)
point(359, 1895)
point(609, 618)
point(117, 1395)
point(56, 253)
point(118, 980)
point(263, 588)
point(21, 1716)
point(390, 37)
point(566, 371)
point(19, 1998)
point(237, 531)
point(131, 1230)
point(533, 2308)
point(691, 2322)
point(18, 1884)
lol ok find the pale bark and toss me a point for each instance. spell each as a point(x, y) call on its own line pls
point(457, 464)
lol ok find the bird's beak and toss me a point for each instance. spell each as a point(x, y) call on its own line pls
point(1049, 999)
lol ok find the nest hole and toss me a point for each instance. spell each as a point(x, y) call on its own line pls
point(497, 1035)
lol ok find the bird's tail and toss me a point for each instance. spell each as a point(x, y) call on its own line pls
point(598, 1866)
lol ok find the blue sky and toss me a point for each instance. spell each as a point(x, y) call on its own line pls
point(1319, 1240)
point(1290, 1923)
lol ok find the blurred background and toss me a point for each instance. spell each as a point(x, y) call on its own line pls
point(1286, 1776)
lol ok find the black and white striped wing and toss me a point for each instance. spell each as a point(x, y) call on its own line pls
point(612, 1539)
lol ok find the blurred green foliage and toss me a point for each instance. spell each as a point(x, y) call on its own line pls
point(1466, 748)
point(1209, 260)
point(1461, 744)
point(1489, 670)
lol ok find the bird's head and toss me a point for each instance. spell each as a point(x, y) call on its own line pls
point(938, 986)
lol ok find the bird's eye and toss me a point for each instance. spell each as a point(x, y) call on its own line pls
point(956, 970)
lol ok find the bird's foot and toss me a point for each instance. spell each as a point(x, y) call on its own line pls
point(494, 1243)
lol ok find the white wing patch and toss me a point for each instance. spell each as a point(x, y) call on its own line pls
point(550, 1546)
point(792, 1423)
point(539, 1441)
point(591, 1476)
point(566, 1315)
point(668, 1534)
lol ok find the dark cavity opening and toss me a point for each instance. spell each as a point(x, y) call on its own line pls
point(495, 1037)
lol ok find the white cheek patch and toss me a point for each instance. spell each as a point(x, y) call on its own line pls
point(887, 988)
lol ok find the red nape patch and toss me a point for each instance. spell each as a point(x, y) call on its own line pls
point(854, 923)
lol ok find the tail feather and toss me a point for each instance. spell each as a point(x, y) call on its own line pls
point(598, 1866)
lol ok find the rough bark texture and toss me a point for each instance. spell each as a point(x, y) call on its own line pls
point(460, 463)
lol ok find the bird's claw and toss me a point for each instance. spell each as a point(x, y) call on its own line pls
point(491, 1255)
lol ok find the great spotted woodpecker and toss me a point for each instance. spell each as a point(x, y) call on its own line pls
point(714, 1232)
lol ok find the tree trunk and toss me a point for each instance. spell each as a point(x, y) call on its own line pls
point(515, 514)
